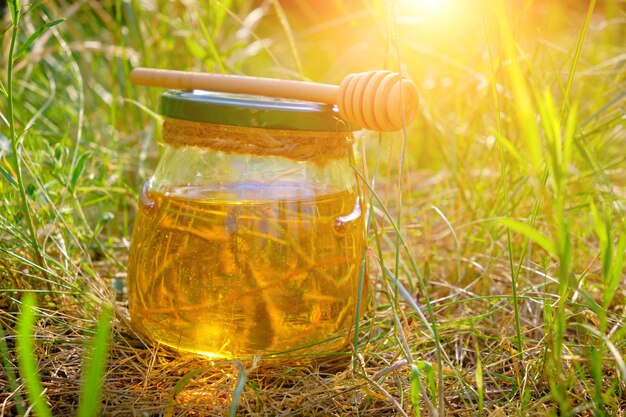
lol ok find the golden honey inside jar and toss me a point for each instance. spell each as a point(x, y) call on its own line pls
point(249, 238)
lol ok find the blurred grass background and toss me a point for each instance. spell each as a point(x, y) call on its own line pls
point(507, 296)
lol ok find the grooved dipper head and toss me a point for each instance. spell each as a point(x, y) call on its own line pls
point(378, 100)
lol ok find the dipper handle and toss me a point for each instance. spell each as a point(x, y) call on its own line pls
point(374, 100)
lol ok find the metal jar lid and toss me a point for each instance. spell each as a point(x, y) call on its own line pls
point(251, 111)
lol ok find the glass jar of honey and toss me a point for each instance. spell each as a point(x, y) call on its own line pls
point(249, 238)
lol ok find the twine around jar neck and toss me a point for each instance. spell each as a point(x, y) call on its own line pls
point(317, 147)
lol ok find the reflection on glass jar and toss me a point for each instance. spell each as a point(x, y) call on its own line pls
point(246, 243)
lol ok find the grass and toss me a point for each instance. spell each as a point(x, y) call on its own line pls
point(496, 221)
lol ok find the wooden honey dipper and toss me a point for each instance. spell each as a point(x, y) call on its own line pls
point(375, 100)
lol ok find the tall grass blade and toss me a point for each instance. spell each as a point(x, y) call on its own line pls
point(14, 9)
point(502, 144)
point(621, 95)
point(219, 14)
point(523, 98)
point(284, 23)
point(429, 308)
point(596, 373)
point(615, 272)
point(15, 159)
point(212, 47)
point(408, 298)
point(456, 240)
point(9, 177)
point(34, 36)
point(393, 298)
point(578, 51)
point(619, 360)
point(533, 234)
point(404, 245)
point(94, 367)
point(26, 357)
point(7, 367)
point(359, 300)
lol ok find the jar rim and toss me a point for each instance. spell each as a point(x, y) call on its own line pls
point(251, 111)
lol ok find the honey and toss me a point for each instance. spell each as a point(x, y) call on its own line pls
point(247, 269)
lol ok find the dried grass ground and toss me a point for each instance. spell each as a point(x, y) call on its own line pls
point(146, 380)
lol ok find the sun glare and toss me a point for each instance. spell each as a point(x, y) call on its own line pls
point(435, 12)
point(436, 22)
point(434, 6)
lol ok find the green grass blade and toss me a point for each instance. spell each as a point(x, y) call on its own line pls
point(523, 104)
point(406, 296)
point(456, 240)
point(596, 373)
point(615, 271)
point(239, 386)
point(180, 385)
point(34, 36)
point(16, 145)
point(78, 169)
point(392, 297)
point(429, 371)
point(7, 366)
point(357, 314)
point(429, 308)
point(14, 8)
point(94, 367)
point(504, 165)
point(533, 234)
point(184, 381)
point(415, 390)
point(404, 245)
point(284, 23)
point(619, 360)
point(595, 115)
point(212, 47)
point(579, 48)
point(219, 14)
point(479, 382)
point(26, 357)
point(6, 174)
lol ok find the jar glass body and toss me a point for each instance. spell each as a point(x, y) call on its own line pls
point(235, 255)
